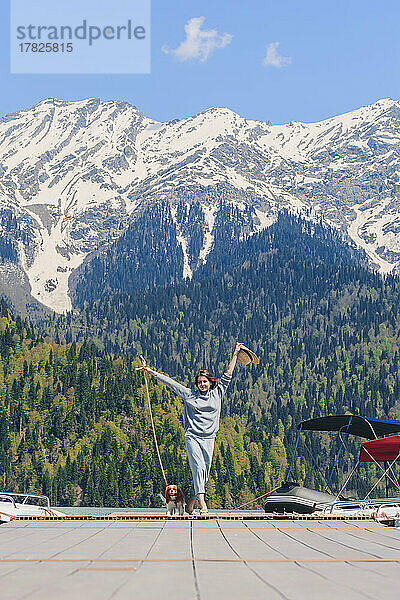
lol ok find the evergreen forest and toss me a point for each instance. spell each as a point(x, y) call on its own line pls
point(74, 422)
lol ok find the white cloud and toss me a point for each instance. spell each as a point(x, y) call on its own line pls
point(199, 45)
point(272, 58)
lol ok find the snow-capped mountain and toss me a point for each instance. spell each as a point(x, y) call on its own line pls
point(77, 176)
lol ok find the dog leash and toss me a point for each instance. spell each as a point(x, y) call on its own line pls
point(152, 422)
point(251, 501)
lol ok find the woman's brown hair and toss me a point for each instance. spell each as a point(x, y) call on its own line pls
point(208, 375)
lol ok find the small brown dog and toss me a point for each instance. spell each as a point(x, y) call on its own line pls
point(174, 500)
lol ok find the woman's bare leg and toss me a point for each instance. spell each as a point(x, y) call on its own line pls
point(190, 505)
point(202, 502)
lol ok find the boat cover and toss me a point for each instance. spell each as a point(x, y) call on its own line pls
point(291, 497)
point(387, 448)
point(367, 427)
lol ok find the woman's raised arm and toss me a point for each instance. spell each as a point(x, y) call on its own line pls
point(232, 364)
point(176, 387)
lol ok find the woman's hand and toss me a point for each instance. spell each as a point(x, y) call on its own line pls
point(237, 349)
point(232, 364)
point(143, 368)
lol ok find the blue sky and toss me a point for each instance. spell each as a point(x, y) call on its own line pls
point(324, 59)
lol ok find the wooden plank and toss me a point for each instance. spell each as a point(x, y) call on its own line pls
point(286, 544)
point(76, 583)
point(96, 542)
point(378, 537)
point(208, 542)
point(228, 579)
point(250, 546)
point(52, 543)
point(218, 581)
point(390, 571)
point(295, 582)
point(26, 539)
point(313, 539)
point(356, 577)
point(135, 544)
point(171, 541)
point(28, 579)
point(363, 545)
point(389, 532)
point(159, 581)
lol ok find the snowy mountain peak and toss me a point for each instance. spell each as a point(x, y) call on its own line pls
point(220, 111)
point(385, 103)
point(368, 112)
point(74, 175)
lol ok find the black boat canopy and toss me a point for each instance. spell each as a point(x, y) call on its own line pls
point(363, 426)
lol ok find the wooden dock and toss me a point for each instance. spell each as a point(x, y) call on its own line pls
point(216, 558)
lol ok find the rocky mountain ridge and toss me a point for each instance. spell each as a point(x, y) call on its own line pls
point(76, 177)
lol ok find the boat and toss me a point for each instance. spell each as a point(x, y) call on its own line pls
point(16, 504)
point(291, 497)
point(382, 446)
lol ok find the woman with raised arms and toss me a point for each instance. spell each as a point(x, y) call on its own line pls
point(202, 409)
